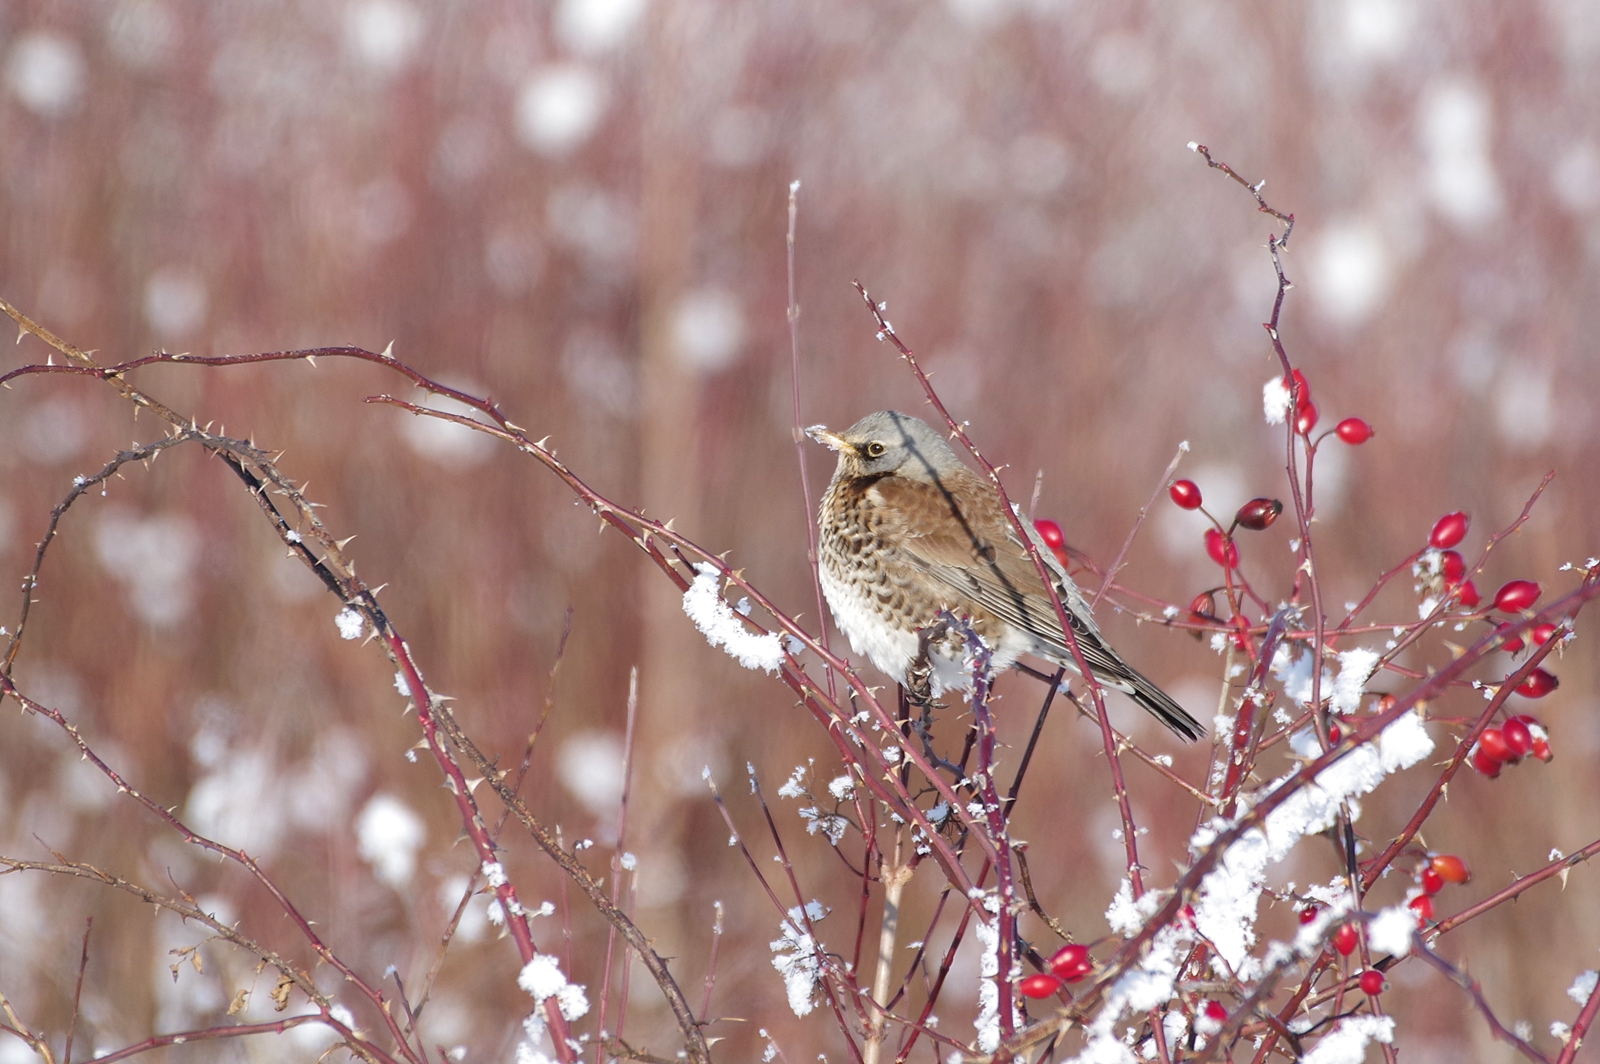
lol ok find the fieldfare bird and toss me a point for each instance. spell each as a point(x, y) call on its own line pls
point(909, 531)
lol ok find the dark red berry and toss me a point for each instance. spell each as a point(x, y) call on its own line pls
point(1432, 882)
point(1468, 595)
point(1344, 939)
point(1039, 986)
point(1216, 1010)
point(1541, 748)
point(1051, 533)
point(1372, 982)
point(1516, 595)
point(1308, 914)
point(1258, 514)
point(1335, 733)
point(1541, 633)
point(1449, 530)
point(1305, 418)
point(1422, 905)
point(1223, 550)
point(1517, 736)
point(1071, 962)
point(1493, 743)
point(1450, 868)
point(1203, 607)
point(1354, 431)
point(1538, 684)
point(1186, 493)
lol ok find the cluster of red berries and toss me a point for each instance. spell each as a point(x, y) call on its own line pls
point(1351, 430)
point(1514, 596)
point(1517, 738)
point(1438, 870)
point(1257, 515)
point(1067, 965)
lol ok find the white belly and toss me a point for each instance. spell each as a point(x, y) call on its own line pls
point(892, 650)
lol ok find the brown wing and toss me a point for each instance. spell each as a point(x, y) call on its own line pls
point(972, 549)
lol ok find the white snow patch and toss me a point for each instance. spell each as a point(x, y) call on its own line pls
point(1275, 401)
point(1347, 1042)
point(1355, 669)
point(1391, 930)
point(558, 108)
point(721, 627)
point(388, 835)
point(1225, 906)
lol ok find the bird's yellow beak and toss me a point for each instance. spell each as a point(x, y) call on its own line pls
point(831, 440)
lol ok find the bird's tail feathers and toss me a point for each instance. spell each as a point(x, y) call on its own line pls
point(1157, 702)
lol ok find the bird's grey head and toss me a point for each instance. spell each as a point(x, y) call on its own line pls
point(890, 442)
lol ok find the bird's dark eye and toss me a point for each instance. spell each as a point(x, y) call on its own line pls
point(875, 449)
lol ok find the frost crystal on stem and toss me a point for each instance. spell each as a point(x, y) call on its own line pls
point(350, 623)
point(798, 957)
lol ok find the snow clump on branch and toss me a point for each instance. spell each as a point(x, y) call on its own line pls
point(716, 620)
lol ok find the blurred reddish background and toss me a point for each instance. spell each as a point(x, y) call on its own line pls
point(579, 208)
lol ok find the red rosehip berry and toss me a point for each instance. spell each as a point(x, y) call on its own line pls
point(1305, 418)
point(1538, 684)
point(1452, 567)
point(1296, 377)
point(1432, 881)
point(1345, 939)
point(1216, 1011)
point(1493, 743)
point(1258, 514)
point(1449, 530)
point(1518, 738)
point(1186, 493)
point(1541, 633)
point(1450, 868)
point(1335, 732)
point(1541, 748)
point(1051, 533)
point(1039, 985)
point(1354, 431)
point(1484, 763)
point(1422, 905)
point(1308, 914)
point(1468, 595)
point(1223, 550)
point(1516, 595)
point(1071, 962)
point(1372, 982)
point(1513, 643)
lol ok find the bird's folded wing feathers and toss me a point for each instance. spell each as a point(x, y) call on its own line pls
point(980, 559)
